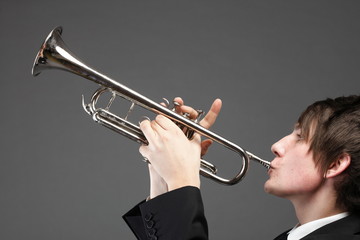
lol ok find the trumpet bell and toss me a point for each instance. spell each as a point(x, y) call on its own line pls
point(48, 58)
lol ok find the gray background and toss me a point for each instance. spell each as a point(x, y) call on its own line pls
point(64, 177)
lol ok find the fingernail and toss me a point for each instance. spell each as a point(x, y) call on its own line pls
point(144, 118)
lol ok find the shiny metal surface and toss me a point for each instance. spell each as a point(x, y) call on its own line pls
point(54, 54)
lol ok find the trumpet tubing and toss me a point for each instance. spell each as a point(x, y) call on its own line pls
point(54, 54)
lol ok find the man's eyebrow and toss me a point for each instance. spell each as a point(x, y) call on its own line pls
point(297, 126)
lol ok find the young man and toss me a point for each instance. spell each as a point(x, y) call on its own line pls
point(316, 167)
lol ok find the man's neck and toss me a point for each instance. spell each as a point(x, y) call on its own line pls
point(319, 204)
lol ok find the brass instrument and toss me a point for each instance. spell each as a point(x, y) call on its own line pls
point(54, 54)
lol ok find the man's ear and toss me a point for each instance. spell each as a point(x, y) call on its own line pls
point(338, 166)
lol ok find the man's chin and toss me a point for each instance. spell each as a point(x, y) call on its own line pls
point(270, 188)
point(267, 187)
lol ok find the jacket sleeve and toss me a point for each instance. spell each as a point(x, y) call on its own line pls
point(178, 214)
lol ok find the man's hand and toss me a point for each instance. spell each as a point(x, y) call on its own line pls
point(175, 160)
point(206, 122)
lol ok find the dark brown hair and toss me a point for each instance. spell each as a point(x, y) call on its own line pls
point(332, 127)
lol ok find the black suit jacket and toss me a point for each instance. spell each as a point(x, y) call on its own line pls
point(347, 228)
point(179, 214)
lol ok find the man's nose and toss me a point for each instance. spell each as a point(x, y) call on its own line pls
point(278, 148)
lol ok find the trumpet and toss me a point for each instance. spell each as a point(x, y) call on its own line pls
point(54, 54)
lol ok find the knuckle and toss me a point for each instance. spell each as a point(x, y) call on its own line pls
point(159, 117)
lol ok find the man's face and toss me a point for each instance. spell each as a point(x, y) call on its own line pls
point(293, 174)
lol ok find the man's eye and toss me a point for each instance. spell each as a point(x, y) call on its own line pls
point(299, 137)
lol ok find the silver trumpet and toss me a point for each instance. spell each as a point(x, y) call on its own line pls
point(54, 54)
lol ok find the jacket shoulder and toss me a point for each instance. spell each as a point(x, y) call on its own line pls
point(347, 228)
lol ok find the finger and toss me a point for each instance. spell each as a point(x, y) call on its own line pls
point(178, 102)
point(211, 116)
point(148, 130)
point(181, 108)
point(193, 114)
point(205, 146)
point(163, 123)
